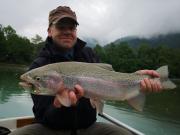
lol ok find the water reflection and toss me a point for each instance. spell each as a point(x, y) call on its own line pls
point(9, 78)
point(14, 101)
point(163, 106)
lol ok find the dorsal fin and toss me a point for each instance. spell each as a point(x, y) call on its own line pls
point(105, 66)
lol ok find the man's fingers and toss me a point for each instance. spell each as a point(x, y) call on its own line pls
point(146, 85)
point(143, 86)
point(154, 85)
point(73, 97)
point(152, 73)
point(69, 94)
point(60, 87)
point(159, 86)
point(57, 103)
point(150, 85)
point(79, 91)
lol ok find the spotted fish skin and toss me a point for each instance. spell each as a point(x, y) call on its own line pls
point(99, 81)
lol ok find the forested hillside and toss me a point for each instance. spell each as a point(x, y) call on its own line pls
point(124, 56)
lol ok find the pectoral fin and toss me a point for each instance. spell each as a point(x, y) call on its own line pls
point(137, 102)
point(98, 104)
point(64, 99)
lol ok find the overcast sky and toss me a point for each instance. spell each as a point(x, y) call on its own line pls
point(104, 20)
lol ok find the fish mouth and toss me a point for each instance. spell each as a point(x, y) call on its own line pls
point(24, 83)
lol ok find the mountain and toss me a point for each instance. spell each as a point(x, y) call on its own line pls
point(91, 42)
point(170, 40)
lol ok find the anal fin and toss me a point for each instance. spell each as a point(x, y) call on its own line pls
point(98, 104)
point(137, 102)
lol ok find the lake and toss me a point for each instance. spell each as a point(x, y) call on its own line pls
point(161, 115)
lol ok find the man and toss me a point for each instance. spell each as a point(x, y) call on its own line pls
point(51, 116)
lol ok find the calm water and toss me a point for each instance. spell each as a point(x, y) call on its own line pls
point(161, 115)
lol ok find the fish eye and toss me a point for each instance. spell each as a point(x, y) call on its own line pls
point(37, 78)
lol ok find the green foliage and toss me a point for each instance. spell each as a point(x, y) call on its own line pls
point(2, 43)
point(120, 56)
point(126, 59)
point(37, 39)
point(8, 32)
point(17, 49)
point(100, 51)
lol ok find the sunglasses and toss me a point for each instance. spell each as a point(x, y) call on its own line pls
point(64, 27)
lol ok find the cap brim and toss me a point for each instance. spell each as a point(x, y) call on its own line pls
point(66, 16)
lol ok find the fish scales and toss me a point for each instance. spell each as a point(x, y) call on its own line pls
point(99, 80)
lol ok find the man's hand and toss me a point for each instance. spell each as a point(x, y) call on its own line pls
point(72, 95)
point(150, 85)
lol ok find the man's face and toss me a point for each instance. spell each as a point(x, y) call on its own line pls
point(63, 33)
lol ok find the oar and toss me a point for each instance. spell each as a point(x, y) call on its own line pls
point(118, 123)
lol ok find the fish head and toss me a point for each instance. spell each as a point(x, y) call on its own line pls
point(43, 81)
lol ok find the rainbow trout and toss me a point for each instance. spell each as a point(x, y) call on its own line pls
point(99, 80)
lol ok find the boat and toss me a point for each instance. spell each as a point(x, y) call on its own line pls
point(9, 124)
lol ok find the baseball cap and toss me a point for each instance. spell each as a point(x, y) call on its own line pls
point(62, 12)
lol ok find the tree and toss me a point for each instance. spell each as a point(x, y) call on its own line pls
point(37, 39)
point(19, 49)
point(101, 52)
point(2, 44)
point(8, 32)
point(14, 48)
point(144, 56)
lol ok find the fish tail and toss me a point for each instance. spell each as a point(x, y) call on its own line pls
point(165, 81)
point(138, 101)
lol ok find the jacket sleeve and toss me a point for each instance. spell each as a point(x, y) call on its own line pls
point(49, 115)
point(38, 62)
point(44, 110)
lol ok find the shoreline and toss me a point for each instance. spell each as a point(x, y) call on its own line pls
point(12, 64)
